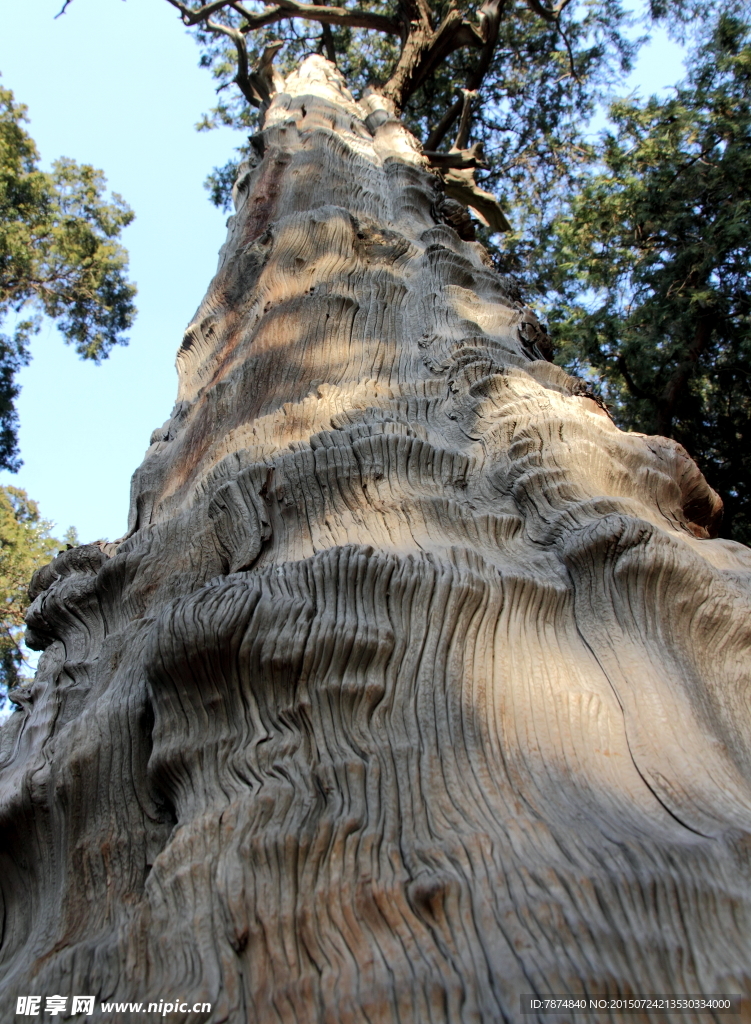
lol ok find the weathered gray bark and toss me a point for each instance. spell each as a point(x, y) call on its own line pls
point(416, 684)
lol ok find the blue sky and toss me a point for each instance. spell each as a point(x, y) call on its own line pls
point(115, 83)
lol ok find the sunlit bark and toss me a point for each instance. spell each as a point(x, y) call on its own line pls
point(416, 684)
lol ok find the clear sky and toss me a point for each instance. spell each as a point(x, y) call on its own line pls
point(115, 83)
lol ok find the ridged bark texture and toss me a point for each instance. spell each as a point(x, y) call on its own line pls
point(415, 685)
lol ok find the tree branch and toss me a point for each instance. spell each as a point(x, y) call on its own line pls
point(327, 38)
point(553, 16)
point(489, 17)
point(550, 14)
point(459, 159)
point(340, 16)
point(417, 12)
point(457, 169)
point(462, 137)
point(256, 86)
point(242, 53)
point(191, 17)
point(438, 134)
point(631, 384)
point(253, 21)
point(569, 51)
point(327, 41)
point(282, 9)
point(683, 373)
point(425, 49)
point(460, 184)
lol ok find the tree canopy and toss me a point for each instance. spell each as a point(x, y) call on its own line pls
point(59, 257)
point(25, 546)
point(649, 269)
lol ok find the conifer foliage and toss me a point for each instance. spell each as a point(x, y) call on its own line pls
point(59, 256)
point(650, 268)
point(25, 546)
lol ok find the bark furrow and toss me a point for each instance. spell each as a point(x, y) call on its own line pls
point(415, 685)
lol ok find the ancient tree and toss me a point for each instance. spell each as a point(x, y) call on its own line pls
point(415, 684)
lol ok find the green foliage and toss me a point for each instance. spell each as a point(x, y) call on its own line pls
point(59, 256)
point(648, 274)
point(25, 546)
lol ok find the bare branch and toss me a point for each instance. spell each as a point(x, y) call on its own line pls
point(64, 8)
point(283, 9)
point(438, 134)
point(462, 137)
point(461, 185)
point(340, 16)
point(191, 17)
point(459, 159)
point(327, 38)
point(253, 21)
point(551, 14)
point(457, 169)
point(489, 17)
point(567, 44)
point(425, 49)
point(237, 39)
point(256, 86)
point(416, 12)
point(265, 80)
point(630, 382)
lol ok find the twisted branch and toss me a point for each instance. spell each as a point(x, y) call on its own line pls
point(287, 9)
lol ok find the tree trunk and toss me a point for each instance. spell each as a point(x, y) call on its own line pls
point(416, 684)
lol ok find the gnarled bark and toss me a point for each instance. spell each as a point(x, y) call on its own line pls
point(416, 684)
